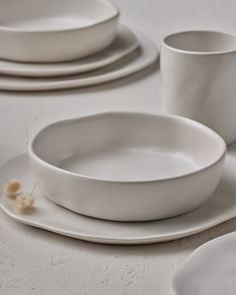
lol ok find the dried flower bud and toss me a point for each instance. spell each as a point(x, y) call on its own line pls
point(23, 202)
point(12, 187)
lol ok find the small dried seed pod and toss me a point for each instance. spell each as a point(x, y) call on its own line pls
point(23, 202)
point(11, 187)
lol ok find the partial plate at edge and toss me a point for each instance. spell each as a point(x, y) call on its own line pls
point(48, 216)
point(124, 43)
point(209, 270)
point(144, 56)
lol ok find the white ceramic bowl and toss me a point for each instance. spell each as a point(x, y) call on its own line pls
point(54, 31)
point(128, 166)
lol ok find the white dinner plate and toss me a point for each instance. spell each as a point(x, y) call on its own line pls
point(219, 208)
point(211, 269)
point(144, 56)
point(124, 43)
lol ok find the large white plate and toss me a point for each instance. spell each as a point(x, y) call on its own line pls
point(211, 269)
point(144, 56)
point(47, 215)
point(124, 43)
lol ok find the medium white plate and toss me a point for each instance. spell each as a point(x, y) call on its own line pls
point(125, 43)
point(47, 215)
point(146, 55)
point(211, 269)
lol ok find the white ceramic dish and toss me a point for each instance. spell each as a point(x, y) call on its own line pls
point(211, 269)
point(46, 215)
point(198, 73)
point(128, 166)
point(124, 43)
point(146, 55)
point(55, 31)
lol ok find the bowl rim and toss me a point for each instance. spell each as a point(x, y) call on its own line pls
point(200, 53)
point(32, 154)
point(114, 15)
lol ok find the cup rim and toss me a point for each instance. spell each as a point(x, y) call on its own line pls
point(192, 52)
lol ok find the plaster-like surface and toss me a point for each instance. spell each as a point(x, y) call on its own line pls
point(37, 262)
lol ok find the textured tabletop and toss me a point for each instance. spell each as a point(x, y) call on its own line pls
point(33, 261)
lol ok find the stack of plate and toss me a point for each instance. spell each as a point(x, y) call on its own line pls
point(66, 44)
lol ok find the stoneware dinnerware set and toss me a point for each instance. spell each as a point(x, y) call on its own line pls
point(123, 177)
point(67, 44)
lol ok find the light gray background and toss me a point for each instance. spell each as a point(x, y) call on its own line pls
point(37, 262)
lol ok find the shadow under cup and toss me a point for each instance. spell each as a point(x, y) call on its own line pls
point(198, 71)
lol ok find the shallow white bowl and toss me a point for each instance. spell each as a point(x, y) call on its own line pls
point(128, 166)
point(54, 31)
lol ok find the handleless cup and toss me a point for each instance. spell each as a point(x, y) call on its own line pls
point(198, 71)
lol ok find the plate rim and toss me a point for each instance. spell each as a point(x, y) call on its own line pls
point(104, 239)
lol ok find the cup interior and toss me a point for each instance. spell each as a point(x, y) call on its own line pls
point(201, 41)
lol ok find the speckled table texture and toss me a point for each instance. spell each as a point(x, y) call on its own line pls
point(34, 261)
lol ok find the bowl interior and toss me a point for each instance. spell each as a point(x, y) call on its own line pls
point(34, 15)
point(202, 41)
point(129, 147)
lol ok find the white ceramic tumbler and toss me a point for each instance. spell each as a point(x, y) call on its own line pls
point(199, 79)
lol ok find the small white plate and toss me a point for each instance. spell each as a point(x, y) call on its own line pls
point(211, 269)
point(124, 43)
point(146, 55)
point(48, 216)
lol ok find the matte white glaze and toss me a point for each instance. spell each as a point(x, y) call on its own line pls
point(128, 166)
point(198, 74)
point(55, 31)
